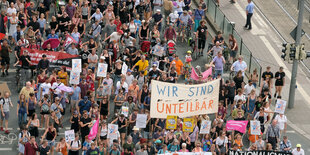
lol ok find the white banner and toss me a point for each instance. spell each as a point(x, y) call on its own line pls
point(255, 128)
point(76, 65)
point(280, 106)
point(184, 100)
point(69, 135)
point(205, 127)
point(141, 121)
point(102, 70)
point(188, 153)
point(74, 77)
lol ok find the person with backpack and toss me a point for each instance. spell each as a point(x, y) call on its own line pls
point(5, 104)
point(45, 110)
point(23, 138)
point(75, 146)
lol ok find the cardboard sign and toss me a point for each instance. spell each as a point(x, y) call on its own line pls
point(171, 122)
point(74, 77)
point(280, 106)
point(188, 124)
point(112, 131)
point(102, 70)
point(125, 111)
point(184, 100)
point(141, 121)
point(205, 127)
point(124, 68)
point(255, 127)
point(76, 65)
point(69, 135)
point(4, 88)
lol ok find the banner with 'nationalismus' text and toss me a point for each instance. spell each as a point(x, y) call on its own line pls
point(183, 100)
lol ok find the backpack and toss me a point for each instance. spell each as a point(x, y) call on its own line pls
point(77, 142)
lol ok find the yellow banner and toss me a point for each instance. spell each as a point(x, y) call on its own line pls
point(188, 124)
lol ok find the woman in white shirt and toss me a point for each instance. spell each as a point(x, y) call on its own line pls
point(281, 122)
point(221, 143)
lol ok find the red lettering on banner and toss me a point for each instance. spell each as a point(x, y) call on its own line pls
point(197, 105)
point(204, 105)
point(186, 106)
point(181, 107)
point(210, 104)
point(168, 108)
point(175, 107)
point(162, 110)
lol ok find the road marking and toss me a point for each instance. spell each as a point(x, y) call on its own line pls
point(61, 133)
point(5, 149)
point(290, 131)
point(67, 128)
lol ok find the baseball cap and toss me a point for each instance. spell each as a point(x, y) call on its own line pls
point(120, 31)
point(298, 145)
point(129, 70)
point(154, 65)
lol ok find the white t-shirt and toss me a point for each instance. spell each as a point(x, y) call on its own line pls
point(179, 6)
point(129, 79)
point(220, 141)
point(281, 121)
point(10, 11)
point(237, 98)
point(55, 87)
point(75, 144)
point(301, 152)
point(115, 37)
point(45, 88)
point(92, 58)
point(173, 17)
point(118, 86)
point(248, 88)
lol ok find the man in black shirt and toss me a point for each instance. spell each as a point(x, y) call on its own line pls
point(268, 74)
point(43, 63)
point(64, 22)
point(85, 123)
point(202, 35)
point(5, 57)
point(218, 38)
point(84, 54)
point(158, 18)
point(34, 24)
point(154, 74)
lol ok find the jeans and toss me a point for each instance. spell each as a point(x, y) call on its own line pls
point(25, 75)
point(197, 22)
point(217, 72)
point(248, 20)
point(22, 118)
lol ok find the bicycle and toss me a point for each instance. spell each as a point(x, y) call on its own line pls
point(18, 78)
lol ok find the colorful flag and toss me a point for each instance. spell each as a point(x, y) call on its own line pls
point(94, 130)
point(236, 125)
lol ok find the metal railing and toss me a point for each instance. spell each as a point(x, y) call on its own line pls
point(227, 27)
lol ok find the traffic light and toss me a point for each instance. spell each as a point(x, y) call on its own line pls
point(303, 53)
point(285, 51)
point(292, 52)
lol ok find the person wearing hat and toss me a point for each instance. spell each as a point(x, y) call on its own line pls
point(154, 74)
point(115, 38)
point(170, 33)
point(298, 150)
point(158, 18)
point(172, 18)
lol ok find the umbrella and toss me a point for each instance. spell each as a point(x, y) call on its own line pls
point(2, 35)
point(53, 41)
point(65, 88)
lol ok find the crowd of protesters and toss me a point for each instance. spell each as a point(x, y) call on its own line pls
point(112, 32)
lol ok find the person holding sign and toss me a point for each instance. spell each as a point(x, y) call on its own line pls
point(281, 122)
point(122, 124)
point(221, 143)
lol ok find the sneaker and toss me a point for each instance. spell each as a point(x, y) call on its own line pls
point(275, 95)
point(7, 131)
point(3, 75)
point(6, 72)
point(1, 128)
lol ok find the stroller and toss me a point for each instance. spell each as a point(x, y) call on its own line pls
point(145, 46)
point(171, 47)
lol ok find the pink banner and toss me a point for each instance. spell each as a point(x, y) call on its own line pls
point(205, 74)
point(94, 130)
point(237, 125)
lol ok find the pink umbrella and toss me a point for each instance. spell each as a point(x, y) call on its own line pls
point(53, 42)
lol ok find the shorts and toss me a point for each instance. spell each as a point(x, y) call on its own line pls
point(84, 17)
point(21, 148)
point(233, 53)
point(51, 143)
point(6, 116)
point(74, 104)
point(5, 61)
point(279, 83)
point(201, 43)
point(30, 112)
point(44, 113)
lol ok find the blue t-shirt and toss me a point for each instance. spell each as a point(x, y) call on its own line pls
point(199, 14)
point(173, 148)
point(218, 63)
point(76, 93)
point(84, 106)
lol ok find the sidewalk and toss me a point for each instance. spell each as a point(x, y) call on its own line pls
point(266, 47)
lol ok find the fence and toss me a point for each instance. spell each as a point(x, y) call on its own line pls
point(227, 28)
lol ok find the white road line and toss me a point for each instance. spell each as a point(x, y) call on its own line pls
point(290, 131)
point(5, 149)
point(67, 128)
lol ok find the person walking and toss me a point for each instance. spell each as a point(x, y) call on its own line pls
point(5, 104)
point(273, 134)
point(249, 14)
point(298, 150)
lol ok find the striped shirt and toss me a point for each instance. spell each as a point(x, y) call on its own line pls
point(273, 131)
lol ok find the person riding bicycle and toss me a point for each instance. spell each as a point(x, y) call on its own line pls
point(170, 33)
point(25, 66)
point(216, 49)
point(239, 65)
point(219, 38)
point(172, 18)
point(202, 35)
point(158, 18)
point(184, 18)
